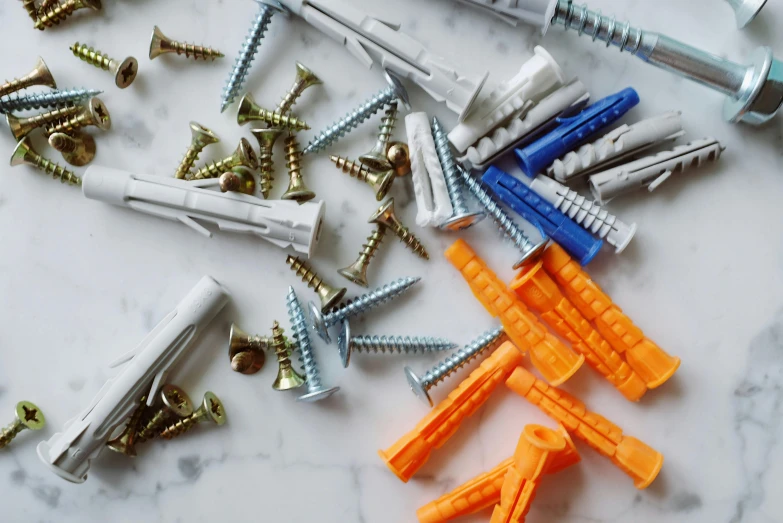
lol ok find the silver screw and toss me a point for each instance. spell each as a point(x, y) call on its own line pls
point(47, 100)
point(365, 302)
point(503, 221)
point(462, 218)
point(266, 9)
point(421, 385)
point(755, 92)
point(346, 344)
point(315, 390)
point(746, 10)
point(350, 121)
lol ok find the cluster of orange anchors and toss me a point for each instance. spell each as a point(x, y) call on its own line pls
point(575, 308)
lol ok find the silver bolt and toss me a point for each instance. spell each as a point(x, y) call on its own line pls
point(746, 10)
point(321, 322)
point(755, 92)
point(346, 344)
point(47, 100)
point(421, 385)
point(315, 390)
point(350, 121)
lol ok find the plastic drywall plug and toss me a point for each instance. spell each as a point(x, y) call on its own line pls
point(412, 451)
point(549, 355)
point(632, 456)
point(539, 292)
point(651, 362)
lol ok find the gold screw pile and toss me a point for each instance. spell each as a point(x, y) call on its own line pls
point(287, 377)
point(94, 113)
point(244, 156)
point(21, 127)
point(266, 140)
point(25, 154)
point(357, 271)
point(330, 296)
point(175, 403)
point(211, 409)
point(161, 44)
point(385, 216)
point(40, 75)
point(381, 182)
point(51, 15)
point(201, 137)
point(250, 111)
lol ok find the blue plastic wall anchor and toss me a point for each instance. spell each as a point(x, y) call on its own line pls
point(513, 192)
point(572, 132)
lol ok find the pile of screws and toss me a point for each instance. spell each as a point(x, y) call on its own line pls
point(52, 12)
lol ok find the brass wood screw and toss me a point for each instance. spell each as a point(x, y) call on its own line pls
point(26, 417)
point(211, 410)
point(304, 78)
point(385, 216)
point(124, 72)
point(250, 111)
point(287, 377)
point(200, 138)
point(125, 443)
point(376, 158)
point(244, 155)
point(77, 149)
point(357, 271)
point(25, 154)
point(380, 182)
point(330, 296)
point(50, 14)
point(174, 403)
point(95, 113)
point(161, 44)
point(297, 189)
point(40, 75)
point(21, 127)
point(266, 141)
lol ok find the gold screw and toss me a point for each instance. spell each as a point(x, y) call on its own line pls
point(239, 179)
point(357, 271)
point(161, 44)
point(77, 149)
point(125, 443)
point(211, 409)
point(376, 158)
point(49, 16)
point(27, 416)
point(246, 352)
point(330, 296)
point(266, 141)
point(380, 182)
point(124, 72)
point(40, 75)
point(287, 377)
point(175, 403)
point(304, 78)
point(32, 11)
point(25, 154)
point(385, 216)
point(200, 138)
point(250, 111)
point(297, 190)
point(95, 113)
point(400, 158)
point(46, 5)
point(21, 127)
point(244, 155)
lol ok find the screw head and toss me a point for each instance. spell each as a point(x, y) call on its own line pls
point(245, 154)
point(248, 362)
point(462, 221)
point(399, 157)
point(382, 183)
point(317, 320)
point(317, 395)
point(176, 400)
point(266, 137)
point(156, 43)
point(239, 179)
point(532, 254)
point(306, 76)
point(30, 415)
point(356, 273)
point(330, 296)
point(214, 408)
point(126, 72)
point(375, 160)
point(402, 94)
point(417, 387)
point(385, 214)
point(23, 152)
point(344, 344)
point(100, 113)
point(202, 135)
point(78, 149)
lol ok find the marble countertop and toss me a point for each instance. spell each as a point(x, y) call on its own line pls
point(82, 282)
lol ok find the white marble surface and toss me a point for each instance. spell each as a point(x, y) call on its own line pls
point(81, 282)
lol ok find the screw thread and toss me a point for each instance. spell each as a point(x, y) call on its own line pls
point(594, 24)
point(266, 171)
point(56, 170)
point(53, 15)
point(32, 11)
point(215, 169)
point(191, 155)
point(281, 346)
point(247, 54)
point(17, 84)
point(293, 156)
point(399, 344)
point(371, 246)
point(461, 357)
point(369, 301)
point(350, 121)
point(149, 430)
point(299, 330)
point(46, 4)
point(51, 99)
point(498, 215)
point(64, 143)
point(305, 272)
point(299, 86)
point(449, 166)
point(277, 119)
point(57, 115)
point(388, 124)
point(354, 169)
point(7, 434)
point(91, 56)
point(195, 51)
point(182, 425)
point(67, 125)
point(411, 241)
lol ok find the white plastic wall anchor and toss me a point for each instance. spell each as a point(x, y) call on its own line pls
point(429, 183)
point(571, 97)
point(586, 213)
point(372, 40)
point(533, 12)
point(652, 171)
point(282, 222)
point(144, 370)
point(537, 78)
point(616, 146)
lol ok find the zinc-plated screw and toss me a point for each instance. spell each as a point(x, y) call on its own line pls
point(399, 157)
point(364, 303)
point(243, 155)
point(755, 92)
point(49, 16)
point(297, 189)
point(200, 138)
point(385, 216)
point(377, 158)
point(162, 44)
point(250, 46)
point(239, 179)
point(357, 271)
point(287, 377)
point(330, 296)
point(211, 410)
point(304, 78)
point(125, 443)
point(25, 154)
point(175, 403)
point(266, 141)
point(350, 121)
point(250, 111)
point(246, 352)
point(504, 222)
point(380, 182)
point(346, 344)
point(94, 113)
point(77, 149)
point(462, 218)
point(26, 416)
point(124, 72)
point(21, 127)
point(40, 75)
point(49, 99)
point(32, 11)
point(315, 390)
point(421, 385)
point(746, 10)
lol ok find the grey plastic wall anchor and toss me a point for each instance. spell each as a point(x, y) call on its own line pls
point(533, 12)
point(616, 146)
point(429, 182)
point(652, 171)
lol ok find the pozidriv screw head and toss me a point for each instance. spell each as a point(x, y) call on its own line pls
point(30, 415)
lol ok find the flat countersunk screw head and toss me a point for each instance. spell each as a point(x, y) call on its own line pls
point(305, 78)
point(201, 137)
point(40, 75)
point(161, 44)
point(287, 377)
point(385, 216)
point(250, 111)
point(330, 296)
point(124, 72)
point(77, 149)
point(400, 158)
point(27, 416)
point(381, 182)
point(25, 154)
point(174, 403)
point(357, 271)
point(246, 352)
point(239, 179)
point(95, 113)
point(211, 410)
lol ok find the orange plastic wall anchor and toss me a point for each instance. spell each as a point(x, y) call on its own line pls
point(539, 292)
point(410, 452)
point(635, 458)
point(554, 361)
point(651, 362)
